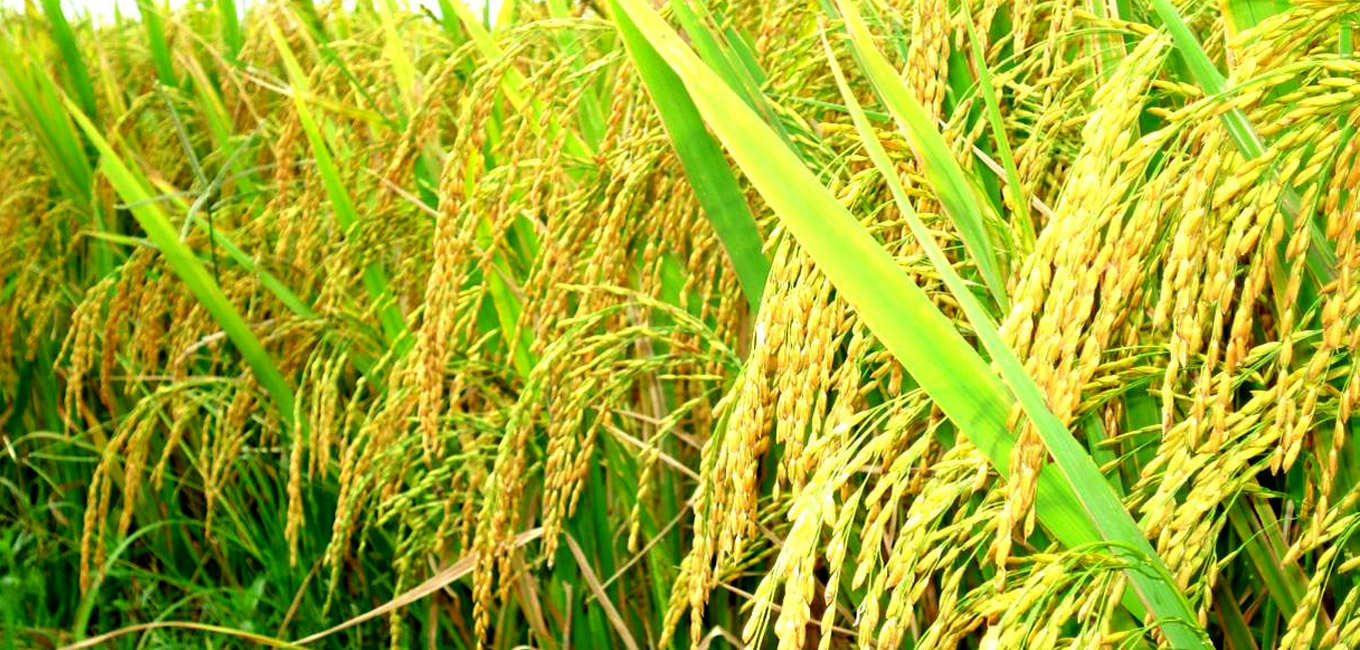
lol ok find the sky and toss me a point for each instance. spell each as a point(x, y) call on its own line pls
point(104, 8)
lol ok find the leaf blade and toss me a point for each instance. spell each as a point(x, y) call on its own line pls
point(866, 276)
point(702, 159)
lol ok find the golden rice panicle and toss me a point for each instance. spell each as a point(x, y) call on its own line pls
point(847, 383)
point(366, 419)
point(901, 453)
point(136, 449)
point(1345, 624)
point(954, 620)
point(1009, 630)
point(1022, 15)
point(939, 528)
point(726, 498)
point(80, 344)
point(813, 508)
point(1303, 624)
point(92, 539)
point(606, 264)
point(1051, 323)
point(325, 424)
point(786, 33)
point(568, 214)
point(835, 559)
point(132, 278)
point(1239, 201)
point(569, 396)
point(1249, 431)
point(92, 526)
point(1052, 89)
point(422, 129)
point(731, 516)
point(927, 50)
point(297, 445)
point(794, 567)
point(802, 376)
point(182, 416)
point(900, 457)
point(1293, 416)
point(219, 456)
point(149, 336)
point(1183, 278)
point(498, 519)
point(289, 139)
point(453, 241)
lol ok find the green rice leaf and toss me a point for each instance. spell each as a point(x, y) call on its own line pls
point(1103, 511)
point(70, 54)
point(958, 195)
point(231, 26)
point(346, 215)
point(1075, 498)
point(705, 167)
point(189, 269)
point(1003, 146)
point(155, 36)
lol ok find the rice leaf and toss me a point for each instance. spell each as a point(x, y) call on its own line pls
point(346, 215)
point(231, 27)
point(1241, 15)
point(1003, 146)
point(1103, 511)
point(188, 267)
point(1073, 499)
point(955, 191)
point(704, 165)
point(156, 41)
point(70, 54)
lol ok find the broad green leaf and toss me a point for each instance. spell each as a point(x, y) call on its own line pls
point(188, 267)
point(70, 54)
point(1230, 618)
point(346, 215)
point(946, 176)
point(705, 167)
point(1103, 510)
point(918, 334)
point(231, 27)
point(1241, 15)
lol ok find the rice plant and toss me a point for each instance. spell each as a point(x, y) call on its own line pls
point(701, 323)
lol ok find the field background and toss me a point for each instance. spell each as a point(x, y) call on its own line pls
point(707, 323)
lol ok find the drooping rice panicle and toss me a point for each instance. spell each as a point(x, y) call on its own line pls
point(499, 330)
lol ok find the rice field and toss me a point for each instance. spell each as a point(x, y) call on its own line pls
point(781, 324)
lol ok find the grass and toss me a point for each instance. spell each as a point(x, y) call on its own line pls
point(702, 324)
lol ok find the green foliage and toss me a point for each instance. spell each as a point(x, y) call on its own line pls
point(707, 323)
